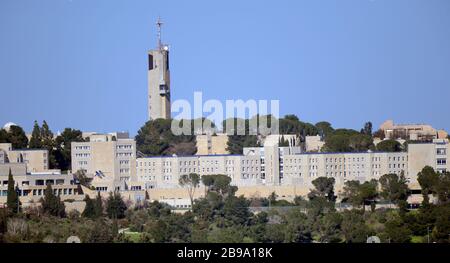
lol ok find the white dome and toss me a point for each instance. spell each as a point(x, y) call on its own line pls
point(8, 125)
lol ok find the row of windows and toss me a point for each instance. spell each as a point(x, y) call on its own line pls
point(127, 146)
point(124, 154)
point(41, 192)
point(441, 151)
point(83, 155)
point(251, 162)
point(441, 161)
point(83, 147)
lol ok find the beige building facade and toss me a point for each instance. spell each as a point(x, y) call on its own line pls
point(36, 160)
point(111, 162)
point(414, 132)
point(288, 171)
point(208, 144)
point(31, 186)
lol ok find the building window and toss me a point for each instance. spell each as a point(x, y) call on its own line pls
point(441, 161)
point(441, 151)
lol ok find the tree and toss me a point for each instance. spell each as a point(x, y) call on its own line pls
point(394, 188)
point(98, 205)
point(158, 231)
point(351, 193)
point(47, 135)
point(442, 188)
point(115, 206)
point(48, 143)
point(236, 140)
point(396, 231)
point(17, 137)
point(3, 136)
point(324, 128)
point(389, 146)
point(63, 143)
point(100, 233)
point(360, 194)
point(89, 209)
point(298, 228)
point(441, 229)
point(51, 204)
point(324, 187)
point(353, 227)
point(329, 228)
point(427, 179)
point(379, 134)
point(80, 175)
point(368, 192)
point(155, 138)
point(219, 183)
point(367, 130)
point(236, 210)
point(191, 182)
point(345, 140)
point(225, 235)
point(3, 222)
point(36, 139)
point(12, 199)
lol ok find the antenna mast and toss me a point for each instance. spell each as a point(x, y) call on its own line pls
point(159, 23)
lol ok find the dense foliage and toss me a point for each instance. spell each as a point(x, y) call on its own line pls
point(221, 216)
point(156, 138)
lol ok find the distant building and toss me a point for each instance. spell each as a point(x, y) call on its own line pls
point(32, 185)
point(289, 171)
point(208, 144)
point(414, 132)
point(110, 159)
point(36, 160)
point(274, 139)
point(159, 80)
point(313, 143)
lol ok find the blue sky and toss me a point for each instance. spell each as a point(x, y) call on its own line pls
point(82, 63)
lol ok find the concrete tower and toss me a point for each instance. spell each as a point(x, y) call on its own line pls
point(159, 80)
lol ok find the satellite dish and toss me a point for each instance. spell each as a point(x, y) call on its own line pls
point(73, 239)
point(373, 239)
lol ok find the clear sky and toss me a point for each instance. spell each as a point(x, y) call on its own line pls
point(82, 63)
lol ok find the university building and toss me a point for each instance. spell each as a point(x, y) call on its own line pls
point(288, 171)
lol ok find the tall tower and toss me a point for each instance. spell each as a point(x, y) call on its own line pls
point(159, 80)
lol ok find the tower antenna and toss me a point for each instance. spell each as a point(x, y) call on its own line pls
point(159, 23)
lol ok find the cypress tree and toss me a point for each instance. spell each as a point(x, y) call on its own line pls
point(49, 143)
point(98, 205)
point(89, 209)
point(12, 200)
point(52, 204)
point(36, 139)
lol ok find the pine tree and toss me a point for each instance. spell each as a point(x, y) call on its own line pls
point(36, 139)
point(89, 209)
point(12, 199)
